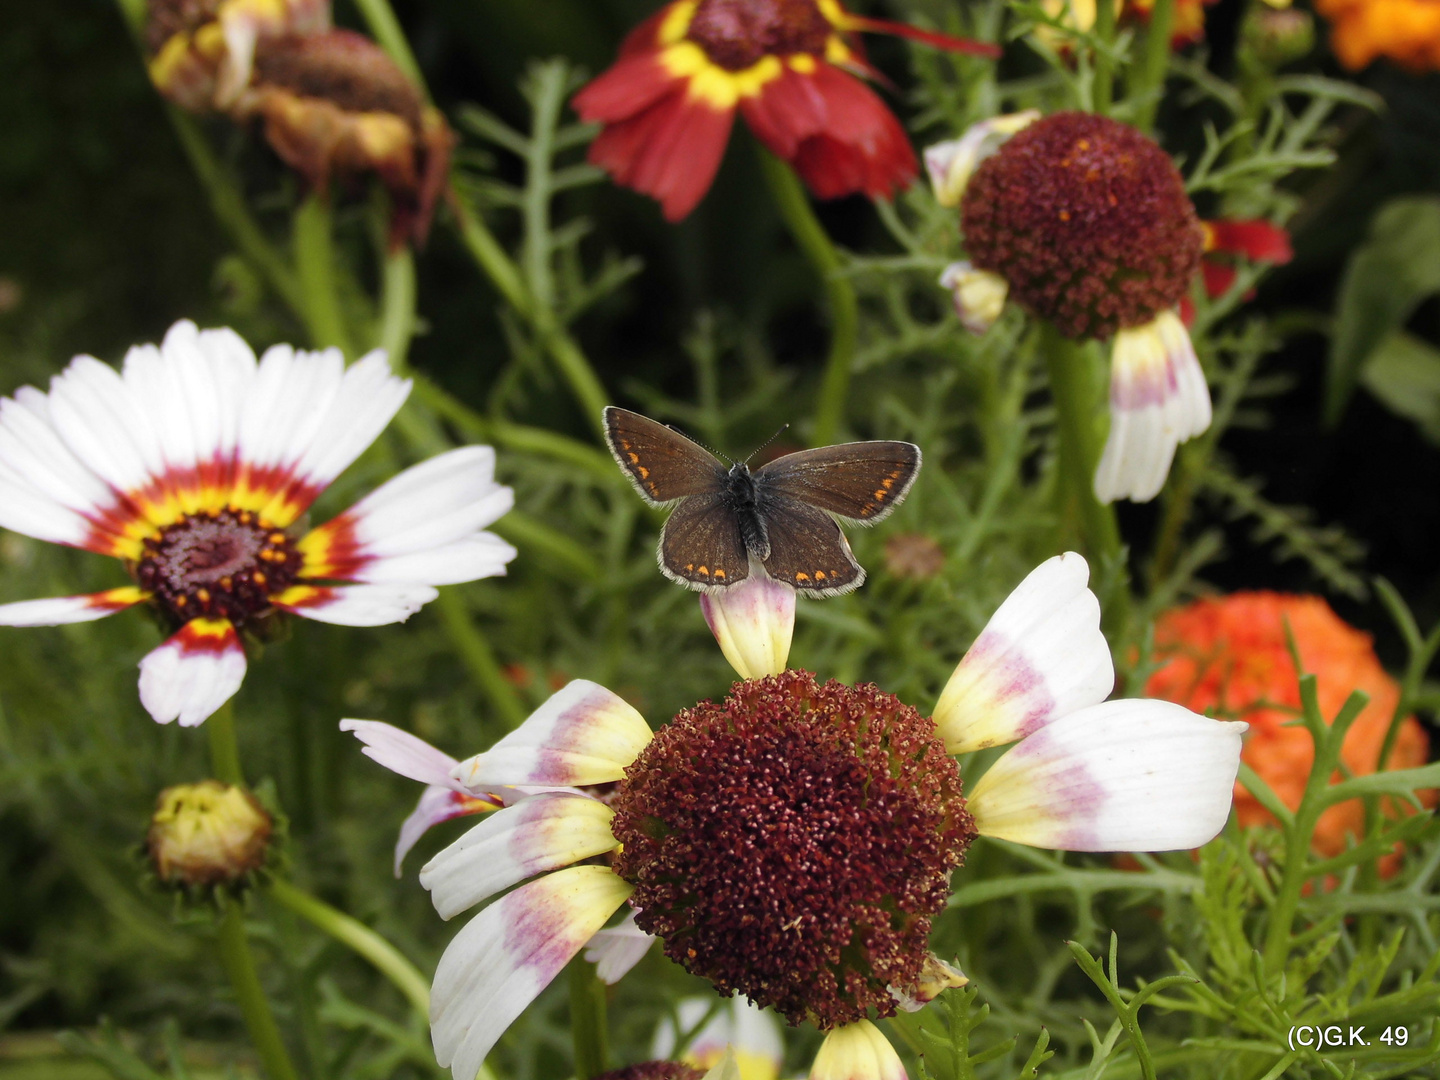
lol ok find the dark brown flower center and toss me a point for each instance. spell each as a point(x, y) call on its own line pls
point(653, 1070)
point(222, 566)
point(737, 33)
point(1088, 221)
point(342, 67)
point(794, 842)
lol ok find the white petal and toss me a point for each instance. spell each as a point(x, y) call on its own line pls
point(616, 950)
point(978, 295)
point(951, 164)
point(857, 1052)
point(369, 397)
point(727, 1068)
point(1040, 657)
point(1130, 775)
point(355, 605)
point(583, 735)
point(422, 493)
point(287, 404)
point(1158, 399)
point(537, 834)
point(30, 446)
point(26, 511)
point(192, 674)
point(508, 953)
point(95, 414)
point(470, 559)
point(752, 1032)
point(403, 753)
point(59, 610)
point(436, 804)
point(753, 623)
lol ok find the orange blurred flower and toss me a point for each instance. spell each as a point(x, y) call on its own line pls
point(1407, 31)
point(1229, 656)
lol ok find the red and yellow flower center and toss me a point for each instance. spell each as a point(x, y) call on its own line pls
point(729, 49)
point(794, 843)
point(1087, 220)
point(221, 565)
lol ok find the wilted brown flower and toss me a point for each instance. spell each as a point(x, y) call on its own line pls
point(335, 106)
point(202, 51)
point(207, 834)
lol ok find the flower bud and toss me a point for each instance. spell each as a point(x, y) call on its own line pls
point(753, 622)
point(1275, 38)
point(207, 834)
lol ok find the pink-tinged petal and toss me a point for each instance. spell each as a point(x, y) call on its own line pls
point(857, 1052)
point(403, 753)
point(508, 953)
point(751, 1032)
point(616, 950)
point(1158, 399)
point(436, 804)
point(192, 674)
point(355, 605)
point(950, 164)
point(670, 151)
point(1129, 775)
point(978, 295)
point(1040, 657)
point(753, 623)
point(583, 735)
point(537, 834)
point(1257, 240)
point(70, 609)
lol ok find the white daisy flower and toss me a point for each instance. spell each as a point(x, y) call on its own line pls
point(194, 464)
point(793, 842)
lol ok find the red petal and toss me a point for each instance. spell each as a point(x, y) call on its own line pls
point(1257, 240)
point(629, 87)
point(1218, 278)
point(855, 145)
point(948, 42)
point(670, 151)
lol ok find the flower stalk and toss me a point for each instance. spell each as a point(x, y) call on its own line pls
point(315, 264)
point(799, 217)
point(587, 1021)
point(1154, 63)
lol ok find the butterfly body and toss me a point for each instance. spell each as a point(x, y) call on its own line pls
point(779, 519)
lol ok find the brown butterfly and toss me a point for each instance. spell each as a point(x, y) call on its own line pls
point(779, 516)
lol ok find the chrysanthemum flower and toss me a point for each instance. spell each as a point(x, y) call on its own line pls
point(793, 842)
point(195, 465)
point(1362, 31)
point(1230, 656)
point(336, 106)
point(1085, 223)
point(202, 51)
point(788, 66)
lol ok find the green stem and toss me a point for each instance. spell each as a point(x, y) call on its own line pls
point(357, 936)
point(1075, 409)
point(239, 964)
point(1179, 499)
point(397, 306)
point(799, 217)
point(380, 18)
point(476, 654)
point(587, 1020)
point(490, 256)
point(224, 748)
point(315, 263)
point(1104, 92)
point(1155, 63)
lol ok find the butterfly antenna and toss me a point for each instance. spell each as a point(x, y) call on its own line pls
point(697, 442)
point(783, 428)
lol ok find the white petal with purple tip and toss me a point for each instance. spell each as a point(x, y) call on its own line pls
point(1128, 775)
point(436, 804)
point(403, 753)
point(614, 951)
point(1040, 657)
point(537, 834)
point(584, 734)
point(753, 623)
point(508, 953)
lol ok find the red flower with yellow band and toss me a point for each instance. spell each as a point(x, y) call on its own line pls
point(787, 66)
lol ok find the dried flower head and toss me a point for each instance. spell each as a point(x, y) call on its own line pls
point(335, 106)
point(207, 834)
point(847, 812)
point(1088, 222)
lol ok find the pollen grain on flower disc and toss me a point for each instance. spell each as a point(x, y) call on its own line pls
point(737, 33)
point(794, 843)
point(1088, 221)
point(224, 565)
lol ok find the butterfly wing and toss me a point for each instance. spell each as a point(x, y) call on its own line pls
point(861, 481)
point(808, 550)
point(662, 464)
point(701, 545)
